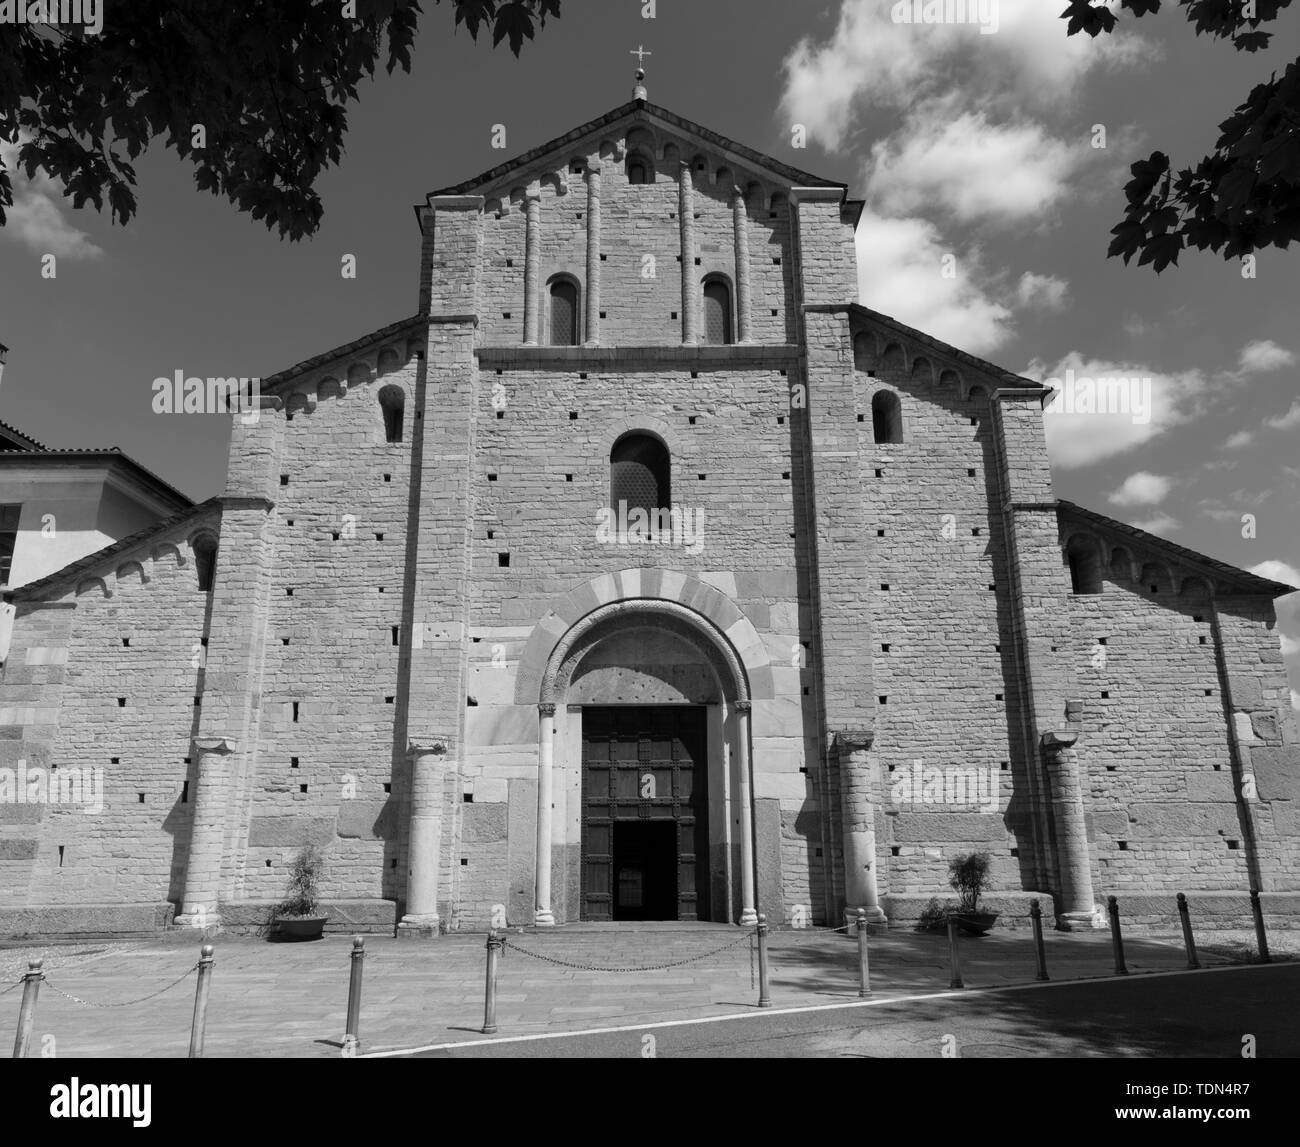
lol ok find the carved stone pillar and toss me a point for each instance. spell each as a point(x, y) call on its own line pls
point(740, 221)
point(427, 769)
point(858, 809)
point(1075, 865)
point(533, 269)
point(545, 813)
point(593, 254)
point(690, 292)
point(208, 832)
point(745, 814)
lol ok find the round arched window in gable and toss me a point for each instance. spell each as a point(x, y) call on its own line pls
point(392, 401)
point(564, 312)
point(886, 417)
point(717, 311)
point(639, 169)
point(205, 560)
point(640, 475)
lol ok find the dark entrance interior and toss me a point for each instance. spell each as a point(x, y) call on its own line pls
point(644, 813)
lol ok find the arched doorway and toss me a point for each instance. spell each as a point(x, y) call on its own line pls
point(644, 809)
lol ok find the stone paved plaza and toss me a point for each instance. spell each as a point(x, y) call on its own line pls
point(289, 1000)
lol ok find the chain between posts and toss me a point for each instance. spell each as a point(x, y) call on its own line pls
point(125, 1004)
point(626, 968)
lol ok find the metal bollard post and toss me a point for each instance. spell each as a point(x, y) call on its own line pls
point(1040, 951)
point(494, 945)
point(764, 997)
point(1116, 938)
point(864, 971)
point(352, 1037)
point(953, 954)
point(27, 1009)
point(206, 960)
point(1261, 939)
point(1188, 941)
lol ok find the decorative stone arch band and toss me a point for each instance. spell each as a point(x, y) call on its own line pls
point(687, 606)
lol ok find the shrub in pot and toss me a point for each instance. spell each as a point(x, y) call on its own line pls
point(298, 916)
point(969, 877)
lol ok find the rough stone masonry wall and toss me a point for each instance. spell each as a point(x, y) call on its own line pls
point(544, 473)
point(76, 697)
point(941, 648)
point(329, 755)
point(641, 309)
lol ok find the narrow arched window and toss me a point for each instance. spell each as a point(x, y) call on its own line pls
point(640, 478)
point(717, 312)
point(392, 402)
point(886, 417)
point(1085, 566)
point(638, 171)
point(564, 313)
point(205, 562)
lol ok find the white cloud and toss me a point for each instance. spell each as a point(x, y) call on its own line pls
point(1239, 439)
point(1288, 421)
point(1045, 292)
point(900, 263)
point(36, 218)
point(1278, 571)
point(1160, 523)
point(1142, 489)
point(1077, 437)
point(959, 162)
point(1295, 699)
point(869, 61)
point(1265, 354)
point(1290, 645)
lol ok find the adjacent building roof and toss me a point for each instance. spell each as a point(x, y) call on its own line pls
point(163, 491)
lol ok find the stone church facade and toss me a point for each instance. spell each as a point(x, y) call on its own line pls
point(643, 573)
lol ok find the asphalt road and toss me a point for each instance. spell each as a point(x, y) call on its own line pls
point(1206, 1014)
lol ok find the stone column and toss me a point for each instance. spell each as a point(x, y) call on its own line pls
point(427, 763)
point(690, 294)
point(1074, 863)
point(543, 915)
point(533, 269)
point(593, 254)
point(207, 833)
point(858, 809)
point(740, 220)
point(745, 811)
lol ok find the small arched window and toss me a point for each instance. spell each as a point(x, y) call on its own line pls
point(717, 312)
point(639, 170)
point(564, 313)
point(1085, 566)
point(640, 476)
point(205, 561)
point(886, 417)
point(392, 401)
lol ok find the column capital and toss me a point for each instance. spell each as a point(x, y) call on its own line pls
point(743, 706)
point(853, 740)
point(546, 709)
point(428, 747)
point(215, 744)
point(594, 167)
point(1054, 741)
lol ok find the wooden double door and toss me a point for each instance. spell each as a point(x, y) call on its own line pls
point(645, 813)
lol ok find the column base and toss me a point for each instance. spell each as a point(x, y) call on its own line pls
point(421, 926)
point(544, 918)
point(1077, 922)
point(748, 918)
point(200, 918)
point(875, 916)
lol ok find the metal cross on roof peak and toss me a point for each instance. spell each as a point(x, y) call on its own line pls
point(640, 53)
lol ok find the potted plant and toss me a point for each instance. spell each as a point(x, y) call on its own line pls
point(297, 916)
point(968, 875)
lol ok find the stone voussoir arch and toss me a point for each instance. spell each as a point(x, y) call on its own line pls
point(643, 592)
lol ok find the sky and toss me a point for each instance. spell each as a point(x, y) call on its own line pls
point(989, 204)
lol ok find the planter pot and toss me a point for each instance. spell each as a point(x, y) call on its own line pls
point(300, 927)
point(975, 923)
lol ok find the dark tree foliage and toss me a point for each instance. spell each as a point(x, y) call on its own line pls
point(1244, 195)
point(268, 81)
